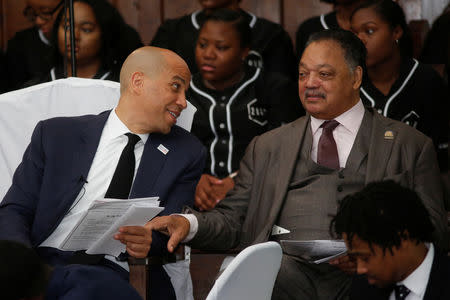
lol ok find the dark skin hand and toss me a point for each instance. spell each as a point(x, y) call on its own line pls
point(177, 227)
point(210, 190)
point(345, 263)
point(137, 239)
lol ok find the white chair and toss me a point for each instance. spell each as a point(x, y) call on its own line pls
point(250, 275)
point(21, 110)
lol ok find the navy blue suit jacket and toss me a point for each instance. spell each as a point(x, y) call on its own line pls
point(437, 288)
point(58, 159)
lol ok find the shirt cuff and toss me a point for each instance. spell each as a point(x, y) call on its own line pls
point(193, 226)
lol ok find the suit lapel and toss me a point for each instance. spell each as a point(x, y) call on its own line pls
point(84, 151)
point(381, 142)
point(360, 148)
point(151, 165)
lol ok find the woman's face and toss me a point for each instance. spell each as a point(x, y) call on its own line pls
point(218, 52)
point(88, 41)
point(376, 34)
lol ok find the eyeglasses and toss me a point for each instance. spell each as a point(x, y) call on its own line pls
point(31, 14)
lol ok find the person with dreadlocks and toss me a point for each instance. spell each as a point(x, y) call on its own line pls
point(388, 233)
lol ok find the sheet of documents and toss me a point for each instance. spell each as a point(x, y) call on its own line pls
point(315, 251)
point(101, 221)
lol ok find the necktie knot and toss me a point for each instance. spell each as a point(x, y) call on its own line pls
point(327, 154)
point(329, 125)
point(401, 292)
point(132, 139)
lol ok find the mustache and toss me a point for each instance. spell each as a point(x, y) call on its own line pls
point(314, 93)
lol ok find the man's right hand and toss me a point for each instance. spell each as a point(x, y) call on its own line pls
point(177, 227)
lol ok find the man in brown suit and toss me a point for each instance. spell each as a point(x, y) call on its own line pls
point(293, 176)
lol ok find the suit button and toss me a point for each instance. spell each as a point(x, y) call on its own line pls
point(339, 188)
point(340, 175)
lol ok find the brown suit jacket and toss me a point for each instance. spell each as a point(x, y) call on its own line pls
point(396, 151)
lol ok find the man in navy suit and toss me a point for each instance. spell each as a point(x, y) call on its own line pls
point(71, 161)
point(387, 230)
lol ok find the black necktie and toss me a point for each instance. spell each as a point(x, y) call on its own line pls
point(327, 154)
point(401, 292)
point(120, 185)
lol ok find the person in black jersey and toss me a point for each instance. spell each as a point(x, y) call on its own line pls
point(397, 85)
point(98, 39)
point(28, 54)
point(270, 47)
point(338, 18)
point(234, 101)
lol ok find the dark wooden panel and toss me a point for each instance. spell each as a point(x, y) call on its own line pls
point(176, 8)
point(143, 15)
point(269, 9)
point(2, 26)
point(149, 19)
point(129, 10)
point(295, 12)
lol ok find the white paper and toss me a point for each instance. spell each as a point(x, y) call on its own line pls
point(316, 251)
point(101, 221)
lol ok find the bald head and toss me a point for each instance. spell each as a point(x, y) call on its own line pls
point(151, 61)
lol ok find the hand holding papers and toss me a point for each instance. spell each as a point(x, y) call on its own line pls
point(315, 251)
point(102, 220)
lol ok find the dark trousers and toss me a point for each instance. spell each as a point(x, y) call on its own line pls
point(300, 280)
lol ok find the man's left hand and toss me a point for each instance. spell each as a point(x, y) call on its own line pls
point(345, 263)
point(136, 238)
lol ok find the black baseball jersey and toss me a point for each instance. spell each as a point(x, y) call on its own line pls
point(226, 121)
point(312, 25)
point(28, 55)
point(418, 98)
point(271, 46)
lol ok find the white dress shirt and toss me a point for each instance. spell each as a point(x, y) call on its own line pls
point(417, 281)
point(112, 141)
point(344, 135)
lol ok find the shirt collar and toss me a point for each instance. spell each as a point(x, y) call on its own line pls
point(114, 128)
point(350, 119)
point(417, 281)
